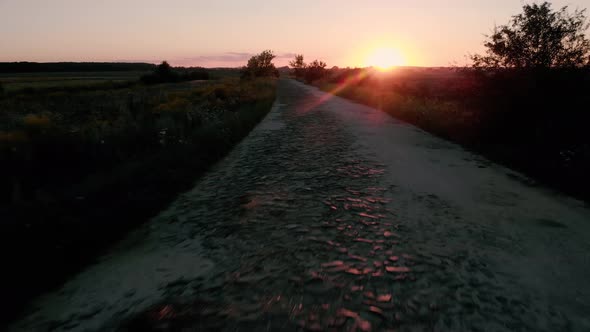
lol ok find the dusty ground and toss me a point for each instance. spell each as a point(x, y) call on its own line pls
point(334, 216)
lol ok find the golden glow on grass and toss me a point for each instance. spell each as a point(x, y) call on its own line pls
point(384, 58)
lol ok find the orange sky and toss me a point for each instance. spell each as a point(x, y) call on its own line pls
point(226, 33)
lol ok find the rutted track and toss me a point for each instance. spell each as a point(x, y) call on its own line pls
point(333, 216)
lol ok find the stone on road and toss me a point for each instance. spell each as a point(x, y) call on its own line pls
point(334, 216)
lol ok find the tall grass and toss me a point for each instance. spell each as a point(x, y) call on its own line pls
point(83, 168)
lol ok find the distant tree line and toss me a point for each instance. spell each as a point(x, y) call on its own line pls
point(261, 65)
point(164, 73)
point(36, 67)
point(308, 72)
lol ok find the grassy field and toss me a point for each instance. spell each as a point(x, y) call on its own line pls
point(18, 82)
point(84, 167)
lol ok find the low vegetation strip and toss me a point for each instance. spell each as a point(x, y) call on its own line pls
point(84, 167)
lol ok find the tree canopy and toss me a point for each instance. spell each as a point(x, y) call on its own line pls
point(165, 73)
point(260, 65)
point(539, 37)
point(309, 72)
point(315, 70)
point(298, 65)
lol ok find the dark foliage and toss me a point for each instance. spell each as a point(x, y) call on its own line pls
point(538, 121)
point(108, 85)
point(194, 74)
point(532, 96)
point(86, 167)
point(36, 67)
point(260, 65)
point(298, 66)
point(164, 73)
point(538, 38)
point(308, 72)
point(315, 70)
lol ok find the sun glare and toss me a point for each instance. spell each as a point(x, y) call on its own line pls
point(385, 58)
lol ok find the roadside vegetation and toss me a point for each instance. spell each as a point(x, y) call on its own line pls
point(85, 166)
point(523, 103)
point(309, 73)
point(260, 66)
point(164, 73)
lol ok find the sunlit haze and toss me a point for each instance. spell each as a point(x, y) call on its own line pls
point(226, 33)
point(384, 58)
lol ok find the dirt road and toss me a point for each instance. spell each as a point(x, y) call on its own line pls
point(335, 216)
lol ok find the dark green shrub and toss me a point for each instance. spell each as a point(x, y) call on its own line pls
point(162, 74)
point(260, 66)
point(314, 71)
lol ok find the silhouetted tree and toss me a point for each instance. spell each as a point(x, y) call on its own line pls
point(315, 70)
point(164, 69)
point(162, 74)
point(260, 65)
point(298, 66)
point(538, 38)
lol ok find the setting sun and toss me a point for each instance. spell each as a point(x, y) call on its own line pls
point(385, 58)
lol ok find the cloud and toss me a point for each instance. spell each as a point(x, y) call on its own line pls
point(225, 57)
point(286, 56)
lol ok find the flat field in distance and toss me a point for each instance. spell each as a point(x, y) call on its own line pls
point(14, 82)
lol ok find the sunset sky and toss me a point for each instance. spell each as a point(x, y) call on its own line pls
point(225, 33)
